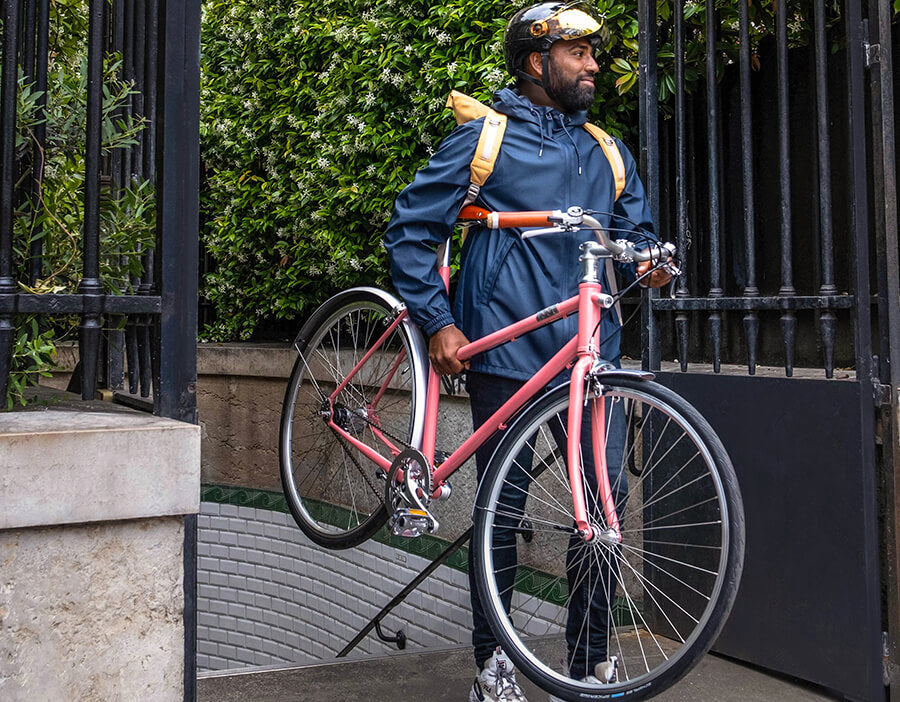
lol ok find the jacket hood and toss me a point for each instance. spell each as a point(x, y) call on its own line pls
point(510, 102)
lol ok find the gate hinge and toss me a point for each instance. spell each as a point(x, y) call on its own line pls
point(890, 671)
point(883, 394)
point(873, 53)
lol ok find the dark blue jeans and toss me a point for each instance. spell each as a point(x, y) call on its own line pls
point(588, 602)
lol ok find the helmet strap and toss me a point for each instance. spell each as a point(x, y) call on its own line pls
point(530, 78)
point(544, 80)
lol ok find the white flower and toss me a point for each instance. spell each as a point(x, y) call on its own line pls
point(323, 163)
point(443, 38)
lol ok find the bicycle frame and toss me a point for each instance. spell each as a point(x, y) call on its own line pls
point(579, 353)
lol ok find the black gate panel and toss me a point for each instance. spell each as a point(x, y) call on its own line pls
point(809, 601)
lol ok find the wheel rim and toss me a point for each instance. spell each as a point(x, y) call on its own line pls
point(334, 488)
point(668, 571)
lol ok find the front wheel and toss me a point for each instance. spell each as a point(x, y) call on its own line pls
point(641, 610)
point(335, 490)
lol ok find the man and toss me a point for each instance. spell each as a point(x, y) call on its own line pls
point(547, 161)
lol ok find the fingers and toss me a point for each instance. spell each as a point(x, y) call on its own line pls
point(656, 279)
point(442, 349)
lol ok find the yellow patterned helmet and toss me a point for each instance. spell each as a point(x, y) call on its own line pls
point(538, 27)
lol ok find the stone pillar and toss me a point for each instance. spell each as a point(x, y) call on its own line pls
point(92, 505)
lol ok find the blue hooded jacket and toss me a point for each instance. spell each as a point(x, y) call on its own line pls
point(547, 161)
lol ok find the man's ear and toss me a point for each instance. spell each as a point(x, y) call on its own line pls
point(534, 64)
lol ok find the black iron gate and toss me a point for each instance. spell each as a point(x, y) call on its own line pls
point(771, 161)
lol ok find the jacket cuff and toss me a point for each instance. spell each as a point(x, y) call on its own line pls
point(438, 323)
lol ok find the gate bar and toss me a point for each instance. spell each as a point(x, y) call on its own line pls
point(888, 264)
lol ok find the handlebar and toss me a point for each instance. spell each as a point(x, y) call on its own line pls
point(573, 219)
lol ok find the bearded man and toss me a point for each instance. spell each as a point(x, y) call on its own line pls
point(546, 162)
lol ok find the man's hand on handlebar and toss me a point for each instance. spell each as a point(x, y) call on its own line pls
point(442, 349)
point(656, 279)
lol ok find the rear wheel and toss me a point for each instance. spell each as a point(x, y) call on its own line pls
point(334, 491)
point(654, 601)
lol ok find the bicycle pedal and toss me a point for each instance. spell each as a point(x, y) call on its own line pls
point(412, 523)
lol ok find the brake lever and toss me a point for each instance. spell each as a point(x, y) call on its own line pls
point(538, 232)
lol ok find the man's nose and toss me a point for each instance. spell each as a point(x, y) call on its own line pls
point(591, 66)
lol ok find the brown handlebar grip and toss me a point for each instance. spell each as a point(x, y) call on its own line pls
point(501, 220)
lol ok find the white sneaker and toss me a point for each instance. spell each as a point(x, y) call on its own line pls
point(497, 681)
point(605, 674)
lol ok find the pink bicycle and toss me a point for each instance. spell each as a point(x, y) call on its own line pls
point(610, 489)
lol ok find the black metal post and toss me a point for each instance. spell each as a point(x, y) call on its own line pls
point(177, 197)
point(649, 149)
point(885, 218)
point(859, 260)
point(38, 157)
point(713, 155)
point(90, 287)
point(8, 87)
point(827, 319)
point(751, 318)
point(681, 319)
point(788, 319)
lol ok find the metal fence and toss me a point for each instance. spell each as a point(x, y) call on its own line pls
point(763, 175)
point(145, 335)
point(773, 167)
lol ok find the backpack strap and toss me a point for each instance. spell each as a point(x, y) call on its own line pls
point(485, 153)
point(608, 144)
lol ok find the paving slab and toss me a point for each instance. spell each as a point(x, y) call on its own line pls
point(446, 676)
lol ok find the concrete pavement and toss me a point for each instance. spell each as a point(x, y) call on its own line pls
point(446, 676)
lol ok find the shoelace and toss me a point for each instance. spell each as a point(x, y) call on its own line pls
point(506, 686)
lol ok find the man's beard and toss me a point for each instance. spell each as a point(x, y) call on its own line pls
point(572, 96)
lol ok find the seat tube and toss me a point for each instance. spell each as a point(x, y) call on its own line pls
point(433, 392)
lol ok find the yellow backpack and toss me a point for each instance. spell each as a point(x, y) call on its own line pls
point(467, 108)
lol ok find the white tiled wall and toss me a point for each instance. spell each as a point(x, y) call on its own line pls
point(267, 595)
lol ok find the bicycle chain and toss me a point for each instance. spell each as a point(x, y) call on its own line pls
point(362, 472)
point(344, 445)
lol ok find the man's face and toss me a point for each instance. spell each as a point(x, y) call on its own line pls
point(572, 69)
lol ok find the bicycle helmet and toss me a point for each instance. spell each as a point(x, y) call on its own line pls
point(538, 27)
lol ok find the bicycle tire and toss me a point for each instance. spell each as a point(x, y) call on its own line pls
point(676, 572)
point(334, 492)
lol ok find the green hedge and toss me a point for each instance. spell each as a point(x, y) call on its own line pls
point(315, 117)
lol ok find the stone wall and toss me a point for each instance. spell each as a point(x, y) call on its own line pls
point(92, 612)
point(92, 505)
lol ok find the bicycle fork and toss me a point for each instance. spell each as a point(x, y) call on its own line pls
point(577, 405)
point(591, 301)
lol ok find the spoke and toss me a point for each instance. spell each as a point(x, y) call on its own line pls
point(717, 522)
point(648, 554)
point(650, 523)
point(644, 579)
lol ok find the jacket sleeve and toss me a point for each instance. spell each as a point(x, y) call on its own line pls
point(424, 215)
point(632, 212)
